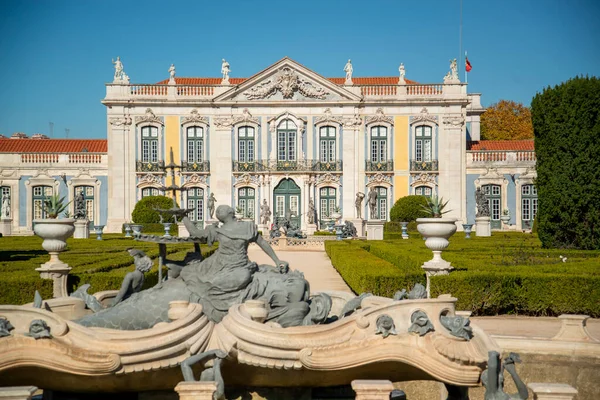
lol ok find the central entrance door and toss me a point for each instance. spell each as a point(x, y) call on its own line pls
point(286, 199)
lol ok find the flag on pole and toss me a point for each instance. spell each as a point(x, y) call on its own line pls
point(468, 67)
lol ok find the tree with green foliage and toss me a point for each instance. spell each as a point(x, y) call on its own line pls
point(408, 209)
point(145, 213)
point(506, 120)
point(566, 122)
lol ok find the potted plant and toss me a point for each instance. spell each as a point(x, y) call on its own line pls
point(505, 217)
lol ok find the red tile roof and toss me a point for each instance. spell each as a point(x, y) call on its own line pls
point(378, 80)
point(502, 145)
point(53, 145)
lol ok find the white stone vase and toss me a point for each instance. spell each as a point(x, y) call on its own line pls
point(55, 232)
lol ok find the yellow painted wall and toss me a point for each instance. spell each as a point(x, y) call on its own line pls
point(401, 156)
point(172, 141)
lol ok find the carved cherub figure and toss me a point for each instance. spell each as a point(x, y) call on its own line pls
point(38, 329)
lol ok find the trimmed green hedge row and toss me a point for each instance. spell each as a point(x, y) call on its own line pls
point(507, 273)
point(103, 264)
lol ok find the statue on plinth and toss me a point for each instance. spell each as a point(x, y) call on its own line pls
point(348, 70)
point(312, 212)
point(452, 75)
point(5, 213)
point(80, 209)
point(225, 71)
point(211, 205)
point(119, 72)
point(265, 213)
point(373, 196)
point(360, 196)
point(172, 73)
point(483, 207)
point(401, 81)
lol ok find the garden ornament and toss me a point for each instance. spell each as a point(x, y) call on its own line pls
point(5, 327)
point(458, 326)
point(38, 329)
point(420, 323)
point(385, 326)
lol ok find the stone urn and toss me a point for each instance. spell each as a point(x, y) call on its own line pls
point(98, 231)
point(468, 229)
point(436, 232)
point(505, 218)
point(55, 233)
point(137, 229)
point(404, 226)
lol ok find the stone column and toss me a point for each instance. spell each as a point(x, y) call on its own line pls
point(552, 391)
point(17, 392)
point(121, 170)
point(196, 390)
point(372, 389)
point(220, 160)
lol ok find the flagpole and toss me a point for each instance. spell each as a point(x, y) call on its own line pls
point(460, 63)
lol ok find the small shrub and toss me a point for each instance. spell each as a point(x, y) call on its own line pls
point(144, 211)
point(408, 209)
point(324, 233)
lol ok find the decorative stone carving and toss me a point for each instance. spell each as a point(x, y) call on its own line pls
point(211, 205)
point(194, 118)
point(452, 75)
point(300, 122)
point(80, 207)
point(172, 74)
point(421, 324)
point(423, 178)
point(210, 374)
point(379, 117)
point(247, 179)
point(348, 70)
point(5, 212)
point(417, 292)
point(454, 121)
point(379, 178)
point(148, 117)
point(195, 179)
point(458, 326)
point(353, 122)
point(385, 326)
point(328, 178)
point(125, 120)
point(287, 82)
point(265, 213)
point(424, 117)
point(90, 301)
point(5, 327)
point(224, 122)
point(245, 118)
point(150, 179)
point(328, 118)
point(133, 281)
point(372, 199)
point(38, 329)
point(483, 208)
point(360, 196)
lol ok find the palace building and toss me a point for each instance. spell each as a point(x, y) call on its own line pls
point(286, 135)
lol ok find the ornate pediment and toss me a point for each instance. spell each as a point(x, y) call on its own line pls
point(423, 178)
point(424, 117)
point(328, 118)
point(287, 80)
point(378, 178)
point(379, 117)
point(194, 118)
point(328, 178)
point(246, 118)
point(149, 117)
point(150, 179)
point(125, 120)
point(195, 179)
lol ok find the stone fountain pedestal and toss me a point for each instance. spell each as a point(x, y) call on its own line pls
point(196, 390)
point(58, 272)
point(82, 229)
point(360, 225)
point(311, 229)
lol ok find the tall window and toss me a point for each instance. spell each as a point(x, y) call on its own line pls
point(423, 143)
point(149, 144)
point(151, 192)
point(40, 193)
point(88, 196)
point(246, 201)
point(381, 209)
point(327, 143)
point(493, 194)
point(5, 202)
point(328, 202)
point(378, 144)
point(195, 144)
point(423, 191)
point(195, 201)
point(246, 144)
point(286, 141)
point(529, 205)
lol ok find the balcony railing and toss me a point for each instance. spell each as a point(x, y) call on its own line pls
point(287, 166)
point(423, 165)
point(246, 166)
point(58, 159)
point(501, 158)
point(200, 166)
point(147, 166)
point(379, 166)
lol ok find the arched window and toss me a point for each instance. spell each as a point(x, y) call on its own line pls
point(246, 201)
point(328, 201)
point(149, 144)
point(286, 140)
point(529, 205)
point(493, 194)
point(195, 201)
point(88, 196)
point(40, 193)
point(327, 143)
point(381, 210)
point(150, 191)
point(423, 143)
point(246, 144)
point(195, 144)
point(423, 191)
point(378, 144)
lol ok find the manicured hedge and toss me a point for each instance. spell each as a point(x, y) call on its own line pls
point(505, 273)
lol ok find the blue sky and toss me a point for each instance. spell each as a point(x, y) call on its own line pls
point(56, 55)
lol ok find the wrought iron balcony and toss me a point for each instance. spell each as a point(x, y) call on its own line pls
point(424, 165)
point(147, 166)
point(379, 166)
point(247, 166)
point(287, 166)
point(200, 166)
point(327, 166)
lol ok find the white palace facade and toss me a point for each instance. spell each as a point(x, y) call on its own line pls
point(286, 135)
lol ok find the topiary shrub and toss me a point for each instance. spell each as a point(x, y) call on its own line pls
point(408, 209)
point(144, 211)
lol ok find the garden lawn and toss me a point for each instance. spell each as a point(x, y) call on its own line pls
point(507, 273)
point(103, 264)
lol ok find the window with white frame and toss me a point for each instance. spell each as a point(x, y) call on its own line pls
point(378, 144)
point(246, 201)
point(327, 143)
point(149, 144)
point(150, 191)
point(195, 144)
point(328, 201)
point(88, 196)
point(529, 205)
point(493, 195)
point(246, 144)
point(40, 194)
point(286, 140)
point(423, 191)
point(195, 202)
point(423, 143)
point(381, 209)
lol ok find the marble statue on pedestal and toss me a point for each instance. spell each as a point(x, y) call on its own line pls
point(452, 75)
point(483, 207)
point(5, 212)
point(373, 195)
point(348, 70)
point(401, 81)
point(265, 213)
point(211, 205)
point(312, 212)
point(172, 73)
point(225, 71)
point(119, 72)
point(360, 196)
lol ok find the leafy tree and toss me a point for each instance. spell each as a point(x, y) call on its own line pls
point(566, 121)
point(506, 120)
point(145, 213)
point(408, 209)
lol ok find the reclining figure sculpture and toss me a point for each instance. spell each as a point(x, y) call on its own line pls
point(226, 278)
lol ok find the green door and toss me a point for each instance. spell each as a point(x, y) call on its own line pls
point(286, 201)
point(493, 195)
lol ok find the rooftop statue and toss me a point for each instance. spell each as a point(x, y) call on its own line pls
point(402, 71)
point(120, 75)
point(224, 279)
point(225, 71)
point(348, 70)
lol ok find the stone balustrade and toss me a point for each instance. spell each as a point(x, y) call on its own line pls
point(56, 159)
point(500, 158)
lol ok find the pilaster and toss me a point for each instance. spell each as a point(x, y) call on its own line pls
point(121, 172)
point(349, 166)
